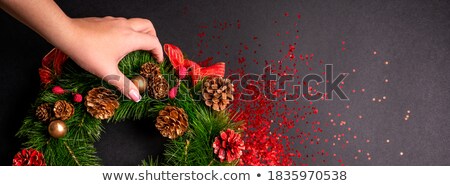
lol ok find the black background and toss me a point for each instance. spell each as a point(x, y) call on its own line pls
point(413, 35)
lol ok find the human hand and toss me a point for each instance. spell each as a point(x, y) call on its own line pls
point(95, 44)
point(98, 44)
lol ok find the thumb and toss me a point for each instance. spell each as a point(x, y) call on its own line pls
point(124, 85)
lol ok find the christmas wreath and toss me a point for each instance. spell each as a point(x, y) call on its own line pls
point(188, 104)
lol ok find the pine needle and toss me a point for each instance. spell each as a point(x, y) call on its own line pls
point(77, 146)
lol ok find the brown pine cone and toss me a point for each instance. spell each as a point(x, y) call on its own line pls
point(217, 92)
point(63, 110)
point(101, 103)
point(172, 122)
point(158, 87)
point(44, 112)
point(149, 70)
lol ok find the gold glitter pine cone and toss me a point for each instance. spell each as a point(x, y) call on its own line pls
point(158, 87)
point(217, 92)
point(44, 112)
point(101, 103)
point(63, 110)
point(172, 122)
point(149, 70)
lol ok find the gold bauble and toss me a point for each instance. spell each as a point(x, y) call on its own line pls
point(140, 82)
point(57, 129)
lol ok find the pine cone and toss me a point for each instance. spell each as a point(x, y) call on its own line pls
point(44, 112)
point(63, 110)
point(101, 103)
point(217, 92)
point(172, 122)
point(228, 146)
point(29, 157)
point(158, 87)
point(149, 70)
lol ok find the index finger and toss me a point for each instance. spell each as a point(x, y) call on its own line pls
point(149, 43)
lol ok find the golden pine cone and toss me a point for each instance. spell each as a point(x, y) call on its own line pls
point(158, 87)
point(149, 70)
point(44, 112)
point(217, 92)
point(101, 103)
point(172, 122)
point(63, 110)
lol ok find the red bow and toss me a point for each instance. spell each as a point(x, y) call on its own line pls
point(51, 66)
point(196, 71)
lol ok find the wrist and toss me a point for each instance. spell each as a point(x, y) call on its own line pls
point(61, 33)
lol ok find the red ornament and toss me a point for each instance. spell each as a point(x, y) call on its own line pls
point(228, 146)
point(77, 98)
point(58, 90)
point(29, 157)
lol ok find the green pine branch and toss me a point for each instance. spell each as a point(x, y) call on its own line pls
point(147, 107)
point(195, 147)
point(76, 148)
point(150, 161)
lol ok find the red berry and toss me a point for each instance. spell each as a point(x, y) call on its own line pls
point(173, 92)
point(77, 98)
point(182, 72)
point(58, 90)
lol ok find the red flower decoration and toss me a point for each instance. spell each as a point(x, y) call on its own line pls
point(29, 157)
point(228, 146)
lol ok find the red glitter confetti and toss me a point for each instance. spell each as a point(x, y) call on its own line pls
point(285, 132)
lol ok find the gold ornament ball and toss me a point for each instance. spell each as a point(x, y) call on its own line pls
point(57, 129)
point(140, 82)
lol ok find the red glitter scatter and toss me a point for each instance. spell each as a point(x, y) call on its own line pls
point(241, 60)
point(202, 34)
point(282, 132)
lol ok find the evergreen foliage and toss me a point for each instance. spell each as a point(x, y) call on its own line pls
point(76, 148)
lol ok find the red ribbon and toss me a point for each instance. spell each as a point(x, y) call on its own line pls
point(196, 71)
point(53, 61)
point(52, 66)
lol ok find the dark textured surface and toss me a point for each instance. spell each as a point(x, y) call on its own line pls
point(413, 35)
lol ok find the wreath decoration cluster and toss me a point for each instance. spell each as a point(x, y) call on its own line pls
point(188, 104)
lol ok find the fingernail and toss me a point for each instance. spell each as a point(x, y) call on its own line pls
point(135, 96)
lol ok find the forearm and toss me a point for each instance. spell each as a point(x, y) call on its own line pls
point(95, 44)
point(43, 16)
